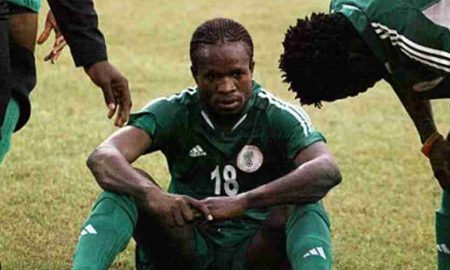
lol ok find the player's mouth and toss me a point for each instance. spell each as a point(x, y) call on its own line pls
point(228, 104)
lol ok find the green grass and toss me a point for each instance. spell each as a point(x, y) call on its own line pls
point(382, 214)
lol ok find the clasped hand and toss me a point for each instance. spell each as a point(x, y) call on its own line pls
point(179, 210)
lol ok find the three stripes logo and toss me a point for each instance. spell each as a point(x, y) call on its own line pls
point(438, 59)
point(318, 251)
point(89, 229)
point(443, 248)
point(197, 151)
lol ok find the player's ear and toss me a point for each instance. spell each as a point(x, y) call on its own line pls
point(194, 73)
point(252, 66)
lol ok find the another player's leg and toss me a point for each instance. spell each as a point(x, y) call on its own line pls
point(106, 232)
point(5, 90)
point(443, 224)
point(9, 124)
point(18, 77)
point(308, 238)
point(443, 232)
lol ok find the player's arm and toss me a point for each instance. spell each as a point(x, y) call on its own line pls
point(78, 23)
point(110, 163)
point(316, 174)
point(420, 112)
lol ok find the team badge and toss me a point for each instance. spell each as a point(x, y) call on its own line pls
point(427, 85)
point(249, 159)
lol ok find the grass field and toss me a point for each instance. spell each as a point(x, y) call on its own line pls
point(382, 214)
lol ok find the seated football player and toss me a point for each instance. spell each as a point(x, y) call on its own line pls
point(407, 43)
point(248, 172)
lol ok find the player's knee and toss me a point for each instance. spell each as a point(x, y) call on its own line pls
point(308, 242)
point(109, 203)
point(311, 254)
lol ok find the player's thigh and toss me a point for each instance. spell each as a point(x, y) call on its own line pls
point(267, 249)
point(23, 25)
point(165, 247)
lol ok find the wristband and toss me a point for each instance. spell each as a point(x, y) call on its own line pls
point(428, 144)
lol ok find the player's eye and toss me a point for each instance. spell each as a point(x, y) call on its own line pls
point(210, 77)
point(236, 74)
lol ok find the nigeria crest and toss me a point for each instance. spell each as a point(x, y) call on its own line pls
point(249, 159)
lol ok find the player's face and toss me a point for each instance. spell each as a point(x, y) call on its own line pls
point(224, 77)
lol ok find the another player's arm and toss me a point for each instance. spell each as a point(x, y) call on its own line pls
point(78, 23)
point(420, 112)
point(316, 174)
point(110, 163)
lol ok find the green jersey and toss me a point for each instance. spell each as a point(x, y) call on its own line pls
point(204, 161)
point(31, 4)
point(410, 37)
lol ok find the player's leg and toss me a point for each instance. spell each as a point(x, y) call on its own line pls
point(163, 247)
point(267, 249)
point(115, 218)
point(443, 227)
point(21, 29)
point(308, 238)
point(9, 123)
point(5, 90)
point(106, 232)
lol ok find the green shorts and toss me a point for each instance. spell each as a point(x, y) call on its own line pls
point(34, 5)
point(9, 124)
point(224, 246)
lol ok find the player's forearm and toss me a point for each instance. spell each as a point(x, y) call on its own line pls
point(113, 173)
point(420, 112)
point(308, 183)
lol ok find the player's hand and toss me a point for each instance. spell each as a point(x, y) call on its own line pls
point(226, 207)
point(173, 209)
point(440, 162)
point(115, 90)
point(58, 44)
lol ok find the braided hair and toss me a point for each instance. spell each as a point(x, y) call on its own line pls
point(219, 31)
point(320, 62)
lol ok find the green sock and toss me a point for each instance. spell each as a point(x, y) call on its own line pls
point(7, 129)
point(106, 232)
point(443, 233)
point(308, 238)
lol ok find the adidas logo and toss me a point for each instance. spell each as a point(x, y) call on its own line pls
point(318, 251)
point(443, 248)
point(197, 151)
point(89, 229)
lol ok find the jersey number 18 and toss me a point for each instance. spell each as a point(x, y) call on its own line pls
point(230, 185)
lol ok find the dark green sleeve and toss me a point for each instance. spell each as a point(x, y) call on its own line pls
point(293, 129)
point(160, 119)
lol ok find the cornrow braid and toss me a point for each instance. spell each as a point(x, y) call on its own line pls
point(219, 31)
point(319, 63)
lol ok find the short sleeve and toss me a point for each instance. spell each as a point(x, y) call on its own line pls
point(160, 119)
point(293, 129)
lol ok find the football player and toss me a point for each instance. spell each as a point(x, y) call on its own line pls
point(407, 43)
point(248, 172)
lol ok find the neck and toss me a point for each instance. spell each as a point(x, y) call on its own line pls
point(224, 122)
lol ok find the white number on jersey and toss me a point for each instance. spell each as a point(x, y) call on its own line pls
point(230, 185)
